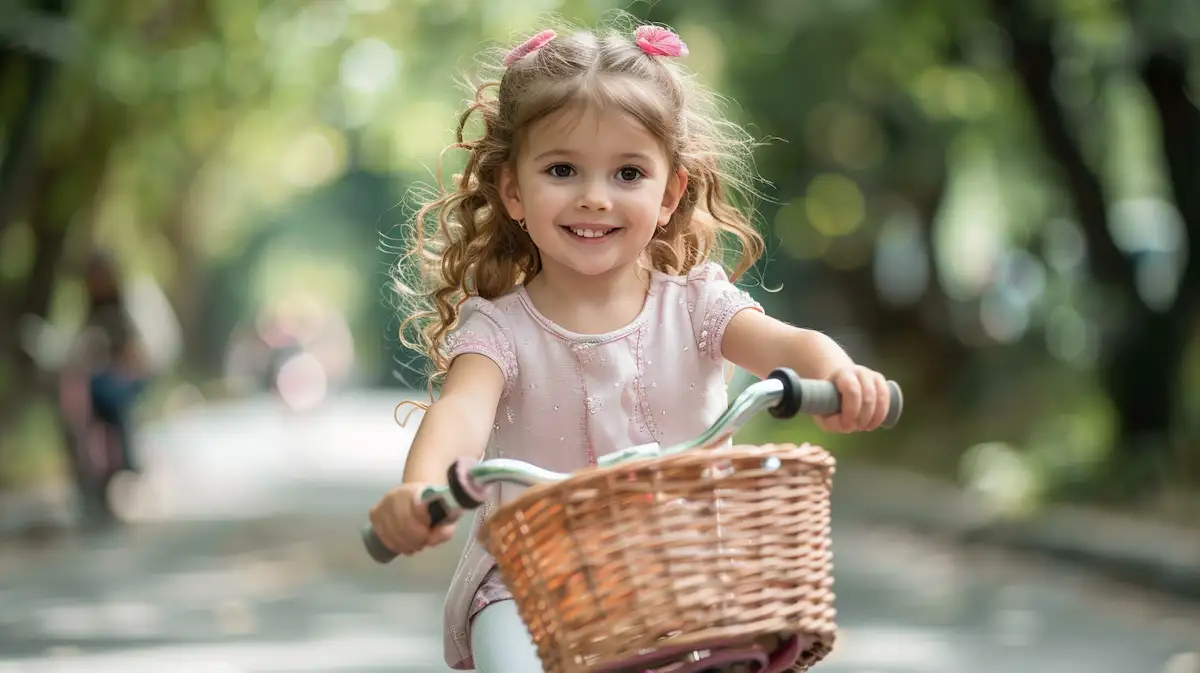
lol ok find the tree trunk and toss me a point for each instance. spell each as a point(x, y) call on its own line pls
point(62, 193)
point(20, 156)
point(1143, 353)
point(1143, 373)
point(1142, 379)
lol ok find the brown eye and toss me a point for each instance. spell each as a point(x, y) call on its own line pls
point(560, 171)
point(629, 173)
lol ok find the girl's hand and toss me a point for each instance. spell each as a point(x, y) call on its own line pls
point(402, 522)
point(865, 401)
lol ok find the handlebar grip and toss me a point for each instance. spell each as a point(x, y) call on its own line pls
point(375, 547)
point(437, 513)
point(821, 398)
point(380, 553)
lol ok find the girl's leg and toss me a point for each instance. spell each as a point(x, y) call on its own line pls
point(500, 643)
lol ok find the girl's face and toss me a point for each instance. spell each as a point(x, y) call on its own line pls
point(592, 186)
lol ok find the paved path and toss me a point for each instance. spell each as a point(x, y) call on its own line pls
point(244, 558)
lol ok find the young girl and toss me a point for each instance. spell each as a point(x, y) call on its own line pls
point(574, 301)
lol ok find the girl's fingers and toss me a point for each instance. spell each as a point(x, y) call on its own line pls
point(866, 410)
point(883, 402)
point(851, 391)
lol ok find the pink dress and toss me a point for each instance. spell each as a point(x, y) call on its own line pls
point(569, 398)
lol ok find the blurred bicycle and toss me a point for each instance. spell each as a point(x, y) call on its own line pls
point(99, 372)
point(97, 457)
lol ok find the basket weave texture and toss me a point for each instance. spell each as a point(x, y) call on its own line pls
point(729, 544)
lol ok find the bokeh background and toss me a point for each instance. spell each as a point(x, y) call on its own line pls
point(992, 202)
point(995, 202)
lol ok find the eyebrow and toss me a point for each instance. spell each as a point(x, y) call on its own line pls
point(633, 156)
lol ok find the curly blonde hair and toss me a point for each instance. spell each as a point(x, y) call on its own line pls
point(463, 242)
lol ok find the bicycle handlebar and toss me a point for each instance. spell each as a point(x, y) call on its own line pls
point(783, 392)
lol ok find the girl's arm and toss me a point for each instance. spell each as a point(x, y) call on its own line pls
point(759, 343)
point(459, 422)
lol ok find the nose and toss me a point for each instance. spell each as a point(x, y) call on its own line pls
point(595, 196)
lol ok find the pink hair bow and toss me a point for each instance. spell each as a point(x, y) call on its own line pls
point(659, 41)
point(529, 46)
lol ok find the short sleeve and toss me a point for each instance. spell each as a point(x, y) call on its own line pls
point(482, 329)
point(713, 301)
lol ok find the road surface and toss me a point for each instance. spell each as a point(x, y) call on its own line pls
point(244, 558)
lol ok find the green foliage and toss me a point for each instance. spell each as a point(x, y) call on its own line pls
point(244, 150)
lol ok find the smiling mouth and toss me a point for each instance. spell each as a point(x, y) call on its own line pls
point(590, 234)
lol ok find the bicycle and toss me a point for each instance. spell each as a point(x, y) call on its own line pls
point(93, 446)
point(699, 557)
point(94, 453)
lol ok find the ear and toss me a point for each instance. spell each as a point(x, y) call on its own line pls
point(510, 192)
point(676, 187)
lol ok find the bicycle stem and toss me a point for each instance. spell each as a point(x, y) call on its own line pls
point(752, 400)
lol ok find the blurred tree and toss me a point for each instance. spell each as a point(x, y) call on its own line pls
point(1143, 353)
point(173, 130)
point(27, 70)
point(87, 120)
point(900, 101)
point(932, 162)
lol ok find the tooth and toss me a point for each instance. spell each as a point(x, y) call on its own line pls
point(590, 233)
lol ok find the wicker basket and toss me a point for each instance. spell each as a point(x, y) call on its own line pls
point(727, 545)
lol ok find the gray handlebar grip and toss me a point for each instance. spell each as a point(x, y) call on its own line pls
point(375, 547)
point(821, 398)
point(380, 552)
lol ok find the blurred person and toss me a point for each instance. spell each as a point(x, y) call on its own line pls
point(245, 359)
point(282, 343)
point(308, 347)
point(573, 273)
point(315, 326)
point(113, 351)
point(129, 332)
point(332, 343)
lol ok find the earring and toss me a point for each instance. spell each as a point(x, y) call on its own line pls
point(521, 224)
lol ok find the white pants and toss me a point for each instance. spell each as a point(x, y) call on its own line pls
point(500, 643)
